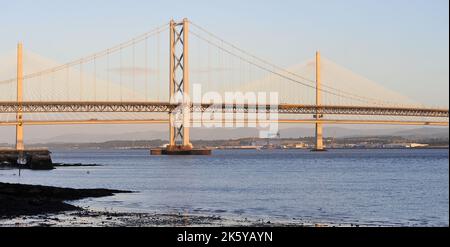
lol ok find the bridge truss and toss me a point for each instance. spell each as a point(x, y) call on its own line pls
point(162, 107)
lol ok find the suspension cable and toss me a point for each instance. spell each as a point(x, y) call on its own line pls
point(273, 71)
point(96, 55)
point(324, 85)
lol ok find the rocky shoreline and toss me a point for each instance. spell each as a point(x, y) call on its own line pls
point(33, 159)
point(19, 199)
point(56, 165)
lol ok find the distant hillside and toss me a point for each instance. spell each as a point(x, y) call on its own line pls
point(339, 132)
point(197, 134)
point(369, 142)
point(424, 133)
point(226, 134)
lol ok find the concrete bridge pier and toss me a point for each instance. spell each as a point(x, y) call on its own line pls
point(319, 127)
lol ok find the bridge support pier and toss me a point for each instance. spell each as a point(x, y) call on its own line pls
point(36, 159)
point(19, 116)
point(319, 139)
point(319, 147)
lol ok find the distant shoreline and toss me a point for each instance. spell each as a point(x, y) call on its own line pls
point(366, 142)
point(297, 149)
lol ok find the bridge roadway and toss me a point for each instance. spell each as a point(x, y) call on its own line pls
point(161, 107)
point(280, 121)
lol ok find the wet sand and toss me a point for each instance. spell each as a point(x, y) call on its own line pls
point(89, 218)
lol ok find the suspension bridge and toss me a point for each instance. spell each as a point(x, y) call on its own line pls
point(127, 84)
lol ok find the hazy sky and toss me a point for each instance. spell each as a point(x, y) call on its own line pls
point(402, 44)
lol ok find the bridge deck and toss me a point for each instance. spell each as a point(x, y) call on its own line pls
point(78, 107)
point(280, 121)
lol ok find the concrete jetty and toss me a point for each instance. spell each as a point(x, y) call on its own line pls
point(35, 159)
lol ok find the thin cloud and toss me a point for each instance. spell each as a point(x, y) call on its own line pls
point(207, 70)
point(130, 71)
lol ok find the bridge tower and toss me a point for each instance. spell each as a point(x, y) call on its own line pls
point(179, 119)
point(179, 85)
point(19, 116)
point(319, 128)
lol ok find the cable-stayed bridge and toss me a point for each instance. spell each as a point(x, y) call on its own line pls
point(211, 82)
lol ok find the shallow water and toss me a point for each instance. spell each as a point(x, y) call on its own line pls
point(368, 187)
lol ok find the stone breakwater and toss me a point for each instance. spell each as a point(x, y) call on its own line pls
point(19, 199)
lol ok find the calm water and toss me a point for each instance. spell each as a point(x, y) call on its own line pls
point(387, 187)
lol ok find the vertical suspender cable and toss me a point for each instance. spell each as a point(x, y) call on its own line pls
point(208, 69)
point(134, 71)
point(95, 79)
point(38, 89)
point(107, 76)
point(158, 66)
point(81, 80)
point(67, 83)
point(120, 79)
point(53, 90)
point(146, 81)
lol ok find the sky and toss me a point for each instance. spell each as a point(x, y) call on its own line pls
point(401, 44)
